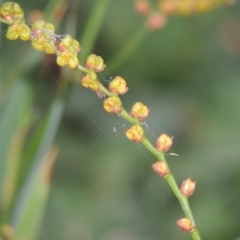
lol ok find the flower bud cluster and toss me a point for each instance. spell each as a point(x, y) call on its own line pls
point(113, 104)
point(18, 29)
point(188, 187)
point(67, 51)
point(95, 63)
point(135, 133)
point(10, 11)
point(154, 19)
point(90, 81)
point(41, 34)
point(118, 86)
point(187, 7)
point(164, 143)
point(157, 19)
point(161, 169)
point(185, 224)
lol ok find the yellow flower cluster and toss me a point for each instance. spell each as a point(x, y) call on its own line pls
point(135, 133)
point(41, 34)
point(113, 104)
point(18, 29)
point(10, 11)
point(90, 81)
point(95, 63)
point(44, 39)
point(118, 85)
point(187, 7)
point(140, 111)
point(157, 19)
point(68, 49)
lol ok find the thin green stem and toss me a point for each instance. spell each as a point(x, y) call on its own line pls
point(127, 49)
point(159, 155)
point(83, 69)
point(183, 200)
point(105, 91)
point(93, 27)
point(130, 119)
point(172, 183)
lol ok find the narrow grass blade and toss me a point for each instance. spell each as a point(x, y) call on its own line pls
point(30, 220)
point(12, 109)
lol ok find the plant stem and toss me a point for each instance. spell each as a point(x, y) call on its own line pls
point(172, 183)
point(183, 200)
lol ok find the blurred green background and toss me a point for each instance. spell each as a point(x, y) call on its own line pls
point(188, 74)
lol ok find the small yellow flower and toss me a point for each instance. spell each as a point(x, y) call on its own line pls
point(95, 62)
point(90, 81)
point(118, 85)
point(18, 29)
point(10, 11)
point(113, 105)
point(164, 143)
point(161, 169)
point(43, 37)
point(68, 49)
point(140, 111)
point(67, 58)
point(70, 44)
point(185, 224)
point(44, 43)
point(188, 187)
point(42, 26)
point(135, 133)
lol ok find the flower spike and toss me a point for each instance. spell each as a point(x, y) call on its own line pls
point(188, 187)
